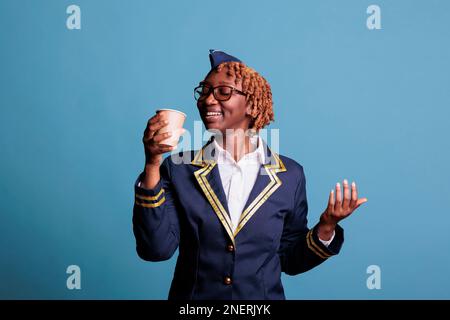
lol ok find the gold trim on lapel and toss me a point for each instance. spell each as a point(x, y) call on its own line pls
point(201, 175)
point(198, 159)
point(273, 185)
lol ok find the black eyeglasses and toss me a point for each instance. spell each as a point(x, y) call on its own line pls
point(221, 93)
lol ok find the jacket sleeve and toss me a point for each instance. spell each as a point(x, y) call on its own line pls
point(155, 218)
point(300, 248)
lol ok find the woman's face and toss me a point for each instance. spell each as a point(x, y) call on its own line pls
point(230, 114)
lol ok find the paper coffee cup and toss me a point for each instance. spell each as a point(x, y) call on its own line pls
point(176, 120)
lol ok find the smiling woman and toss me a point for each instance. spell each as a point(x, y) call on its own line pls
point(237, 211)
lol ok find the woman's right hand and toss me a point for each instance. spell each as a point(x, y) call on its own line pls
point(151, 140)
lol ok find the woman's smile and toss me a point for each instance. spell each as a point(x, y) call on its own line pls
point(211, 116)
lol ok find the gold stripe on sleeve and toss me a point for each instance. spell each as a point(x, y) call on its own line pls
point(314, 247)
point(150, 205)
point(148, 198)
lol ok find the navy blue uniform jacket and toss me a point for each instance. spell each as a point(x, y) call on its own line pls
point(188, 210)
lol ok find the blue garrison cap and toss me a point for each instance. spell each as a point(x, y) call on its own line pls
point(217, 57)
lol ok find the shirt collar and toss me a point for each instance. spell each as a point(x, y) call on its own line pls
point(258, 154)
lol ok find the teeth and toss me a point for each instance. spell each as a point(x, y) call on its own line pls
point(213, 113)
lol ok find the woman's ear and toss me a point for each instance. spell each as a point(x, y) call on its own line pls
point(248, 113)
point(248, 109)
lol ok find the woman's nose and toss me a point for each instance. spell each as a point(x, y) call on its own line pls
point(210, 99)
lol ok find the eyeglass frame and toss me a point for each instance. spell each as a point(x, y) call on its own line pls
point(213, 89)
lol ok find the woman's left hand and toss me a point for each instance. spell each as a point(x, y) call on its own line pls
point(338, 209)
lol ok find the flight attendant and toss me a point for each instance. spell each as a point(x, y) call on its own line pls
point(236, 211)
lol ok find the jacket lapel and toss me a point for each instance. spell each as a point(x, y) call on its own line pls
point(209, 180)
point(266, 184)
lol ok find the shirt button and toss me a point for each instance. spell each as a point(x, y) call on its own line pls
point(230, 248)
point(227, 280)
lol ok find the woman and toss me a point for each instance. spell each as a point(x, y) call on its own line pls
point(236, 211)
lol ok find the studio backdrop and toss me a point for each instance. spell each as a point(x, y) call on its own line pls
point(360, 90)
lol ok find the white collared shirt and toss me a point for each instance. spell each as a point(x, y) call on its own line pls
point(238, 178)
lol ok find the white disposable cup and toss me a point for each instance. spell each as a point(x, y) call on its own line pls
point(175, 126)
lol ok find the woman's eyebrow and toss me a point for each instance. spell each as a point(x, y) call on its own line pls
point(220, 82)
point(224, 82)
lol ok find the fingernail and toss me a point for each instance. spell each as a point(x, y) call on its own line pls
point(345, 181)
point(353, 184)
point(332, 191)
point(166, 122)
point(338, 185)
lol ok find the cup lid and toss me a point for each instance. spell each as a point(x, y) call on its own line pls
point(172, 110)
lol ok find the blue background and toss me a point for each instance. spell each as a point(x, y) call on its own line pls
point(366, 105)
